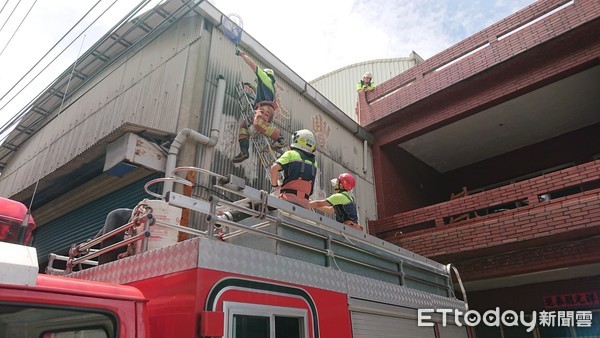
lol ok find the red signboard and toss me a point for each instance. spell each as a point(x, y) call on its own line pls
point(580, 299)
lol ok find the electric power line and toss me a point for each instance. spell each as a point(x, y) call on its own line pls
point(51, 48)
point(19, 115)
point(11, 13)
point(6, 3)
point(19, 26)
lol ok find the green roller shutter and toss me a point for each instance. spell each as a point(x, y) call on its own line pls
point(84, 223)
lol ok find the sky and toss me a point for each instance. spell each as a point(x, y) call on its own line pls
point(312, 37)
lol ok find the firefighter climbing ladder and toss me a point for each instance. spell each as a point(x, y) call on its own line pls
point(259, 141)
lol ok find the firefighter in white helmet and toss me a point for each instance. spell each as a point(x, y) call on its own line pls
point(299, 168)
point(264, 110)
point(341, 202)
point(366, 84)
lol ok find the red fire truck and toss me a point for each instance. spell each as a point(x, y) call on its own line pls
point(278, 271)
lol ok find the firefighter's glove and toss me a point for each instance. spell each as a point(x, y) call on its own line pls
point(275, 190)
point(237, 52)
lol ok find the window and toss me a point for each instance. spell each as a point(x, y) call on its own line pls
point(244, 320)
point(49, 322)
point(245, 326)
point(91, 333)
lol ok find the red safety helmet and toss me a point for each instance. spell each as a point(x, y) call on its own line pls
point(344, 182)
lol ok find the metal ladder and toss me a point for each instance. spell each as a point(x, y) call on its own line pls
point(259, 141)
point(299, 233)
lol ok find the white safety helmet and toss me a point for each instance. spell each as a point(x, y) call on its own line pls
point(269, 71)
point(304, 140)
point(368, 74)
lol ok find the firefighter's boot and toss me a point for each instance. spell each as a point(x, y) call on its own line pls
point(243, 155)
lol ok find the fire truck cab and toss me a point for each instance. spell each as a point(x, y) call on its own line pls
point(44, 306)
point(12, 216)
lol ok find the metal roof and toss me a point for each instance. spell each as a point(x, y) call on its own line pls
point(127, 33)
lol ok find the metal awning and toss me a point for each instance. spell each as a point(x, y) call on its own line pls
point(126, 34)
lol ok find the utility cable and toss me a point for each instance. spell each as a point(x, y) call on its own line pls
point(11, 13)
point(130, 15)
point(6, 3)
point(49, 50)
point(19, 26)
point(24, 111)
point(71, 76)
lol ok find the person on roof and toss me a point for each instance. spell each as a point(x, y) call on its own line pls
point(341, 202)
point(264, 110)
point(366, 84)
point(299, 168)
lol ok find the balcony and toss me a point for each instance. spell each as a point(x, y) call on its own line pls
point(558, 206)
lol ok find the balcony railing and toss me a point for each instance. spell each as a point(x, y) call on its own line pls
point(539, 206)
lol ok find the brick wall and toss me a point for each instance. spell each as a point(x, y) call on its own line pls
point(565, 218)
point(527, 189)
point(553, 48)
point(577, 47)
point(404, 187)
point(555, 255)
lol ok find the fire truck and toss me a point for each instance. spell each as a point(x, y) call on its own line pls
point(247, 265)
point(263, 267)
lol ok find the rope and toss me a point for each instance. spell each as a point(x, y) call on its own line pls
point(348, 239)
point(331, 254)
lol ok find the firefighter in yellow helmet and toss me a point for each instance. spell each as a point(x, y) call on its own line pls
point(299, 168)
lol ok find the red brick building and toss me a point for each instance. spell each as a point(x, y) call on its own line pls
point(487, 155)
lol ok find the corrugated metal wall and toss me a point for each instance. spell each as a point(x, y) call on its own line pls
point(145, 89)
point(338, 151)
point(339, 86)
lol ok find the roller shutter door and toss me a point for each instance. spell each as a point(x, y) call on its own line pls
point(83, 223)
point(369, 325)
point(452, 331)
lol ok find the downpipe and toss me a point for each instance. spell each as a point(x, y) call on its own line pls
point(186, 133)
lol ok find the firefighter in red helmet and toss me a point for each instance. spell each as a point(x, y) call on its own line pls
point(341, 202)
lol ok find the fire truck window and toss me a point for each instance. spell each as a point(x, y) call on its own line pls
point(46, 322)
point(265, 321)
point(250, 326)
point(288, 327)
point(92, 333)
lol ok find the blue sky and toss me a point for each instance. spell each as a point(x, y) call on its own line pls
point(313, 37)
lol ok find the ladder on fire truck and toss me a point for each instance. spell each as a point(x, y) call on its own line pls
point(259, 141)
point(282, 228)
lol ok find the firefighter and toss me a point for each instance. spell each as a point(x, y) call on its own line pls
point(341, 202)
point(299, 168)
point(366, 84)
point(264, 110)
